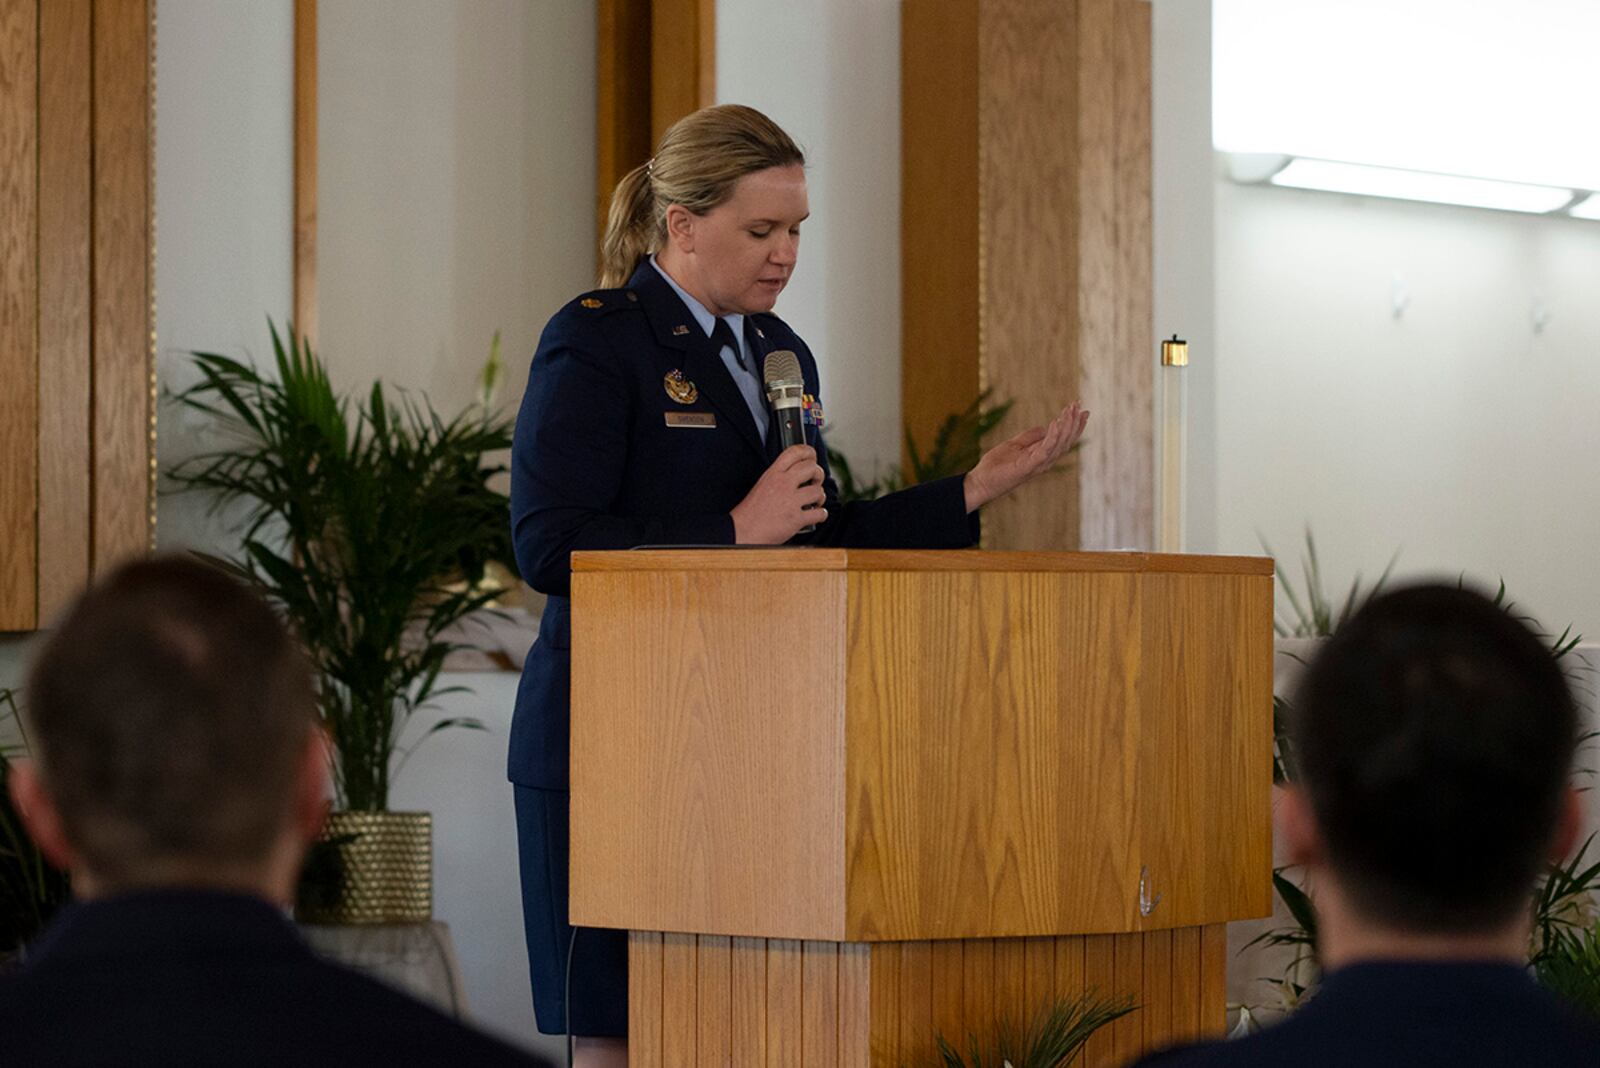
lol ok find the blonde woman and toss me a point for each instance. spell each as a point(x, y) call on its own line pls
point(644, 423)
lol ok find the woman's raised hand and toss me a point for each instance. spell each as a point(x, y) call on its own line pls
point(1017, 459)
point(787, 497)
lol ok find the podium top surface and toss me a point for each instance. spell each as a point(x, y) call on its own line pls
point(732, 558)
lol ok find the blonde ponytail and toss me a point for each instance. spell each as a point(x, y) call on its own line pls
point(699, 160)
point(630, 228)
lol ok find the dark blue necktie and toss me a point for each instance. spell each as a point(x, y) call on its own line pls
point(722, 334)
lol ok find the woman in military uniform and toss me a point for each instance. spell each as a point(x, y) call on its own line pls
point(644, 424)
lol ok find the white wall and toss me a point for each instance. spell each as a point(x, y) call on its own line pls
point(224, 210)
point(1455, 432)
point(1182, 193)
point(828, 72)
point(456, 170)
point(224, 131)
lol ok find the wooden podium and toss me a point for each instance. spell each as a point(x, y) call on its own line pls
point(847, 799)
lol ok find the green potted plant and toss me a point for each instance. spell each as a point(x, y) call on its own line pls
point(370, 525)
point(1052, 1039)
point(30, 889)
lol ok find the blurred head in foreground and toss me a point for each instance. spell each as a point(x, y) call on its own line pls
point(1432, 744)
point(172, 721)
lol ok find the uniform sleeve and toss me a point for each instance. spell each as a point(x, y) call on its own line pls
point(569, 458)
point(932, 515)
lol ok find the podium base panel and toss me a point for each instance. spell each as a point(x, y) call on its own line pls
point(716, 1000)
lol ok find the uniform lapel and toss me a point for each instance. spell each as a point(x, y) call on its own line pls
point(676, 328)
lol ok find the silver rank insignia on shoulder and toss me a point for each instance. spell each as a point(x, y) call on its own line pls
point(680, 388)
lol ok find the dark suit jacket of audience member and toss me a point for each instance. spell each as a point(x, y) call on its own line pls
point(191, 978)
point(1417, 1015)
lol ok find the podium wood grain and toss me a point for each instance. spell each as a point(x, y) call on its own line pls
point(848, 801)
point(851, 1004)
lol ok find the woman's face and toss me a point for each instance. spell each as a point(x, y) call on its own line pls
point(741, 253)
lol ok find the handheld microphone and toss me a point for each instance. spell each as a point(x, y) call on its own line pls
point(785, 396)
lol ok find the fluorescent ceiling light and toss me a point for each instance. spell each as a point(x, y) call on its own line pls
point(1494, 90)
point(1416, 185)
point(1588, 209)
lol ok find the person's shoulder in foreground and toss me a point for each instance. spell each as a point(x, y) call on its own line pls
point(1419, 1014)
point(186, 977)
point(177, 775)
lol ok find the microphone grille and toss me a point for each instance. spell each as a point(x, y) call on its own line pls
point(781, 367)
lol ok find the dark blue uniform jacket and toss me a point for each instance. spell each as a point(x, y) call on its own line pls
point(595, 465)
point(193, 977)
point(1412, 1014)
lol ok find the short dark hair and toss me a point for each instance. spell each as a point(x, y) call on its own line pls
point(169, 713)
point(1434, 735)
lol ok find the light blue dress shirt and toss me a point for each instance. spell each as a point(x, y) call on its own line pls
point(743, 376)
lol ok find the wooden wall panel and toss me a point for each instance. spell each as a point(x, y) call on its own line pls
point(1055, 240)
point(748, 1026)
point(940, 263)
point(19, 284)
point(855, 1005)
point(122, 457)
point(65, 314)
point(1040, 290)
point(1120, 462)
point(305, 169)
point(849, 1005)
point(1155, 1012)
point(646, 974)
point(785, 1003)
point(1186, 1013)
point(683, 60)
point(680, 989)
point(1213, 980)
point(622, 129)
point(1100, 976)
point(714, 1001)
point(819, 1004)
point(883, 977)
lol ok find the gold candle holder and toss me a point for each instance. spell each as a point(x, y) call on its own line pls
point(1174, 418)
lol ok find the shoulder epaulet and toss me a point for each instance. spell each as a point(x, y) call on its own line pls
point(600, 301)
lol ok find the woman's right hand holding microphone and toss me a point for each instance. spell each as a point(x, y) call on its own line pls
point(787, 497)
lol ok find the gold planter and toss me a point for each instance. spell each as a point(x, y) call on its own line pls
point(369, 867)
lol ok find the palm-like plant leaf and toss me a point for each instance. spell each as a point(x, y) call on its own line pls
point(30, 889)
point(361, 523)
point(1052, 1039)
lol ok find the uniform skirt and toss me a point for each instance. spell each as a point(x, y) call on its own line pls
point(593, 1002)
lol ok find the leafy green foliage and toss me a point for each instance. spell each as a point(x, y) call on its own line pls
point(1053, 1038)
point(1569, 965)
point(1565, 902)
point(1301, 935)
point(30, 889)
point(367, 524)
point(1314, 614)
point(956, 448)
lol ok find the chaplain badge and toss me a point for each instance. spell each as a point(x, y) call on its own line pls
point(680, 388)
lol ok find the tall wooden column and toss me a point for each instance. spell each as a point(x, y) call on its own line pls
point(656, 64)
point(1026, 245)
point(76, 345)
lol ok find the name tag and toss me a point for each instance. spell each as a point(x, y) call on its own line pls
point(702, 420)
